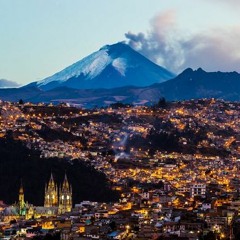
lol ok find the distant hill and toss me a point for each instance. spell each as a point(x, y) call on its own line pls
point(189, 84)
point(196, 84)
point(14, 94)
point(116, 65)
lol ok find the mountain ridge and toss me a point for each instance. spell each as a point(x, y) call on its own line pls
point(116, 65)
point(193, 84)
point(190, 84)
point(124, 75)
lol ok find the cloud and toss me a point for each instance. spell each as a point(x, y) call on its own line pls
point(229, 2)
point(167, 45)
point(217, 49)
point(8, 84)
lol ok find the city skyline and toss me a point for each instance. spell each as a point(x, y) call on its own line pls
point(137, 172)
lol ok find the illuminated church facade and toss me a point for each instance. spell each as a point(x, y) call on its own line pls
point(58, 197)
point(57, 200)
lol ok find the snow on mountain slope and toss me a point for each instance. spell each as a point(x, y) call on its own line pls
point(112, 66)
point(120, 64)
point(90, 66)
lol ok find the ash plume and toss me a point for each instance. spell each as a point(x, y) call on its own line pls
point(167, 45)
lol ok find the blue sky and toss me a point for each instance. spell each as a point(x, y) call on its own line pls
point(41, 37)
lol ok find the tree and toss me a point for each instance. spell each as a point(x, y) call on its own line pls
point(161, 102)
point(113, 225)
point(210, 236)
point(20, 102)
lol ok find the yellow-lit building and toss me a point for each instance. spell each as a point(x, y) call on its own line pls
point(51, 194)
point(56, 201)
point(63, 200)
point(65, 197)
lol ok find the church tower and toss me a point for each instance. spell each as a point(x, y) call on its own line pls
point(65, 197)
point(22, 207)
point(51, 194)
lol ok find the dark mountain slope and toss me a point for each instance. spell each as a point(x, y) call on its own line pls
point(188, 85)
point(200, 84)
point(18, 163)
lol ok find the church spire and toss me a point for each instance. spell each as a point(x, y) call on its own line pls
point(65, 182)
point(51, 193)
point(21, 200)
point(65, 196)
point(51, 181)
point(21, 188)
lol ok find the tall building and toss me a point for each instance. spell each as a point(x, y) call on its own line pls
point(64, 200)
point(65, 197)
point(51, 194)
point(21, 202)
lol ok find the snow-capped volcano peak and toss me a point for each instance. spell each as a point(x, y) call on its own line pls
point(111, 66)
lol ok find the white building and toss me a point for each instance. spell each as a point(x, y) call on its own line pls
point(198, 189)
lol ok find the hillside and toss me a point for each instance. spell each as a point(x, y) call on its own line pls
point(197, 84)
point(18, 162)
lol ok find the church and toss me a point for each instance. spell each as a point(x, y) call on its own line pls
point(58, 197)
point(57, 200)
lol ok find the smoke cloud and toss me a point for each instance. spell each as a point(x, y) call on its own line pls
point(166, 45)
